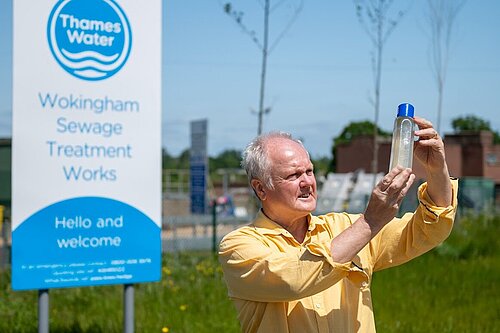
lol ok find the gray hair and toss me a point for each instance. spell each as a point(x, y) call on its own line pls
point(255, 159)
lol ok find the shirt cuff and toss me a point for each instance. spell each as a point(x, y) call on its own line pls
point(433, 212)
point(354, 272)
point(323, 250)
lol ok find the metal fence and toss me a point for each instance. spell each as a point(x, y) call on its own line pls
point(5, 249)
point(476, 195)
point(197, 232)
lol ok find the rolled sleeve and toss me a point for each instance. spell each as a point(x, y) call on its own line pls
point(413, 234)
point(323, 251)
point(353, 271)
point(434, 213)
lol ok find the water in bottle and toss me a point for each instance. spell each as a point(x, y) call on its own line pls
point(402, 137)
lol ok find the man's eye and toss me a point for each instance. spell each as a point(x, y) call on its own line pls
point(309, 172)
point(293, 176)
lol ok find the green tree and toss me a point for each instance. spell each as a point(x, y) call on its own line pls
point(171, 162)
point(351, 131)
point(230, 158)
point(168, 161)
point(474, 124)
point(322, 165)
point(226, 167)
point(470, 123)
point(183, 160)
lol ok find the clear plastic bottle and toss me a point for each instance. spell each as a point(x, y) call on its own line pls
point(402, 137)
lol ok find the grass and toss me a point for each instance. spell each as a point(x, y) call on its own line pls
point(454, 288)
point(191, 297)
point(433, 295)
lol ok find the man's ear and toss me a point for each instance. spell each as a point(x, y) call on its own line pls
point(259, 189)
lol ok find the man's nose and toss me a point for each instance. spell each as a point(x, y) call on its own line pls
point(307, 180)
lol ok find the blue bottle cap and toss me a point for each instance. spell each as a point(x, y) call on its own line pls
point(406, 110)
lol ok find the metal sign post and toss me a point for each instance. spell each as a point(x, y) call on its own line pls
point(128, 308)
point(43, 311)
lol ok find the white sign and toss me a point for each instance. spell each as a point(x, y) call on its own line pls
point(86, 151)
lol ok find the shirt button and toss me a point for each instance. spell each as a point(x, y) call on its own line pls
point(318, 305)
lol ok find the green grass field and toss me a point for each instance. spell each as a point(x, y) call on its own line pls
point(454, 288)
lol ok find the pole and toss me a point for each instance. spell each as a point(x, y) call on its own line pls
point(378, 78)
point(128, 309)
point(214, 227)
point(264, 65)
point(43, 311)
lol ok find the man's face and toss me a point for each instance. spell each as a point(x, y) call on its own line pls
point(294, 193)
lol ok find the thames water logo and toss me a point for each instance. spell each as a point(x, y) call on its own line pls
point(90, 39)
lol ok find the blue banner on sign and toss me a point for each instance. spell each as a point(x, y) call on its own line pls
point(86, 241)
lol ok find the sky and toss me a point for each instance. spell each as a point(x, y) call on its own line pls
point(319, 75)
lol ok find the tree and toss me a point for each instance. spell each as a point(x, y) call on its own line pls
point(470, 123)
point(322, 165)
point(374, 17)
point(230, 158)
point(264, 46)
point(441, 15)
point(183, 160)
point(353, 130)
point(474, 124)
point(168, 161)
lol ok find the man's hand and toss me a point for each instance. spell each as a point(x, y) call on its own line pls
point(382, 207)
point(386, 198)
point(429, 150)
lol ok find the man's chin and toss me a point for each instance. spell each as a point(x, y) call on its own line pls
point(308, 206)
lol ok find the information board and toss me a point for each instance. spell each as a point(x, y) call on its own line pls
point(198, 161)
point(86, 150)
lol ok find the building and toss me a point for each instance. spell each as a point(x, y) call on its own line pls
point(471, 156)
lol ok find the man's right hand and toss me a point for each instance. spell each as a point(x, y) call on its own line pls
point(382, 208)
point(386, 198)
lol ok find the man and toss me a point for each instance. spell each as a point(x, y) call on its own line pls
point(290, 271)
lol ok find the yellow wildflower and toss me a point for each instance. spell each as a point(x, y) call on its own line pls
point(167, 271)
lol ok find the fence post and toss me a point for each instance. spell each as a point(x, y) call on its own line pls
point(214, 226)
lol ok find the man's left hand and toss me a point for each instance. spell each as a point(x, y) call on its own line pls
point(430, 148)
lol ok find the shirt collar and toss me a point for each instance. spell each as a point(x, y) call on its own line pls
point(267, 226)
point(314, 221)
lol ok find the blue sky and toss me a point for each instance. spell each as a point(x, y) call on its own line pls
point(319, 74)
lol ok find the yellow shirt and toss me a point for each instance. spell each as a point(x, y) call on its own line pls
point(279, 285)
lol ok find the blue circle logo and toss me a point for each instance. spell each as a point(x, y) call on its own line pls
point(90, 39)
